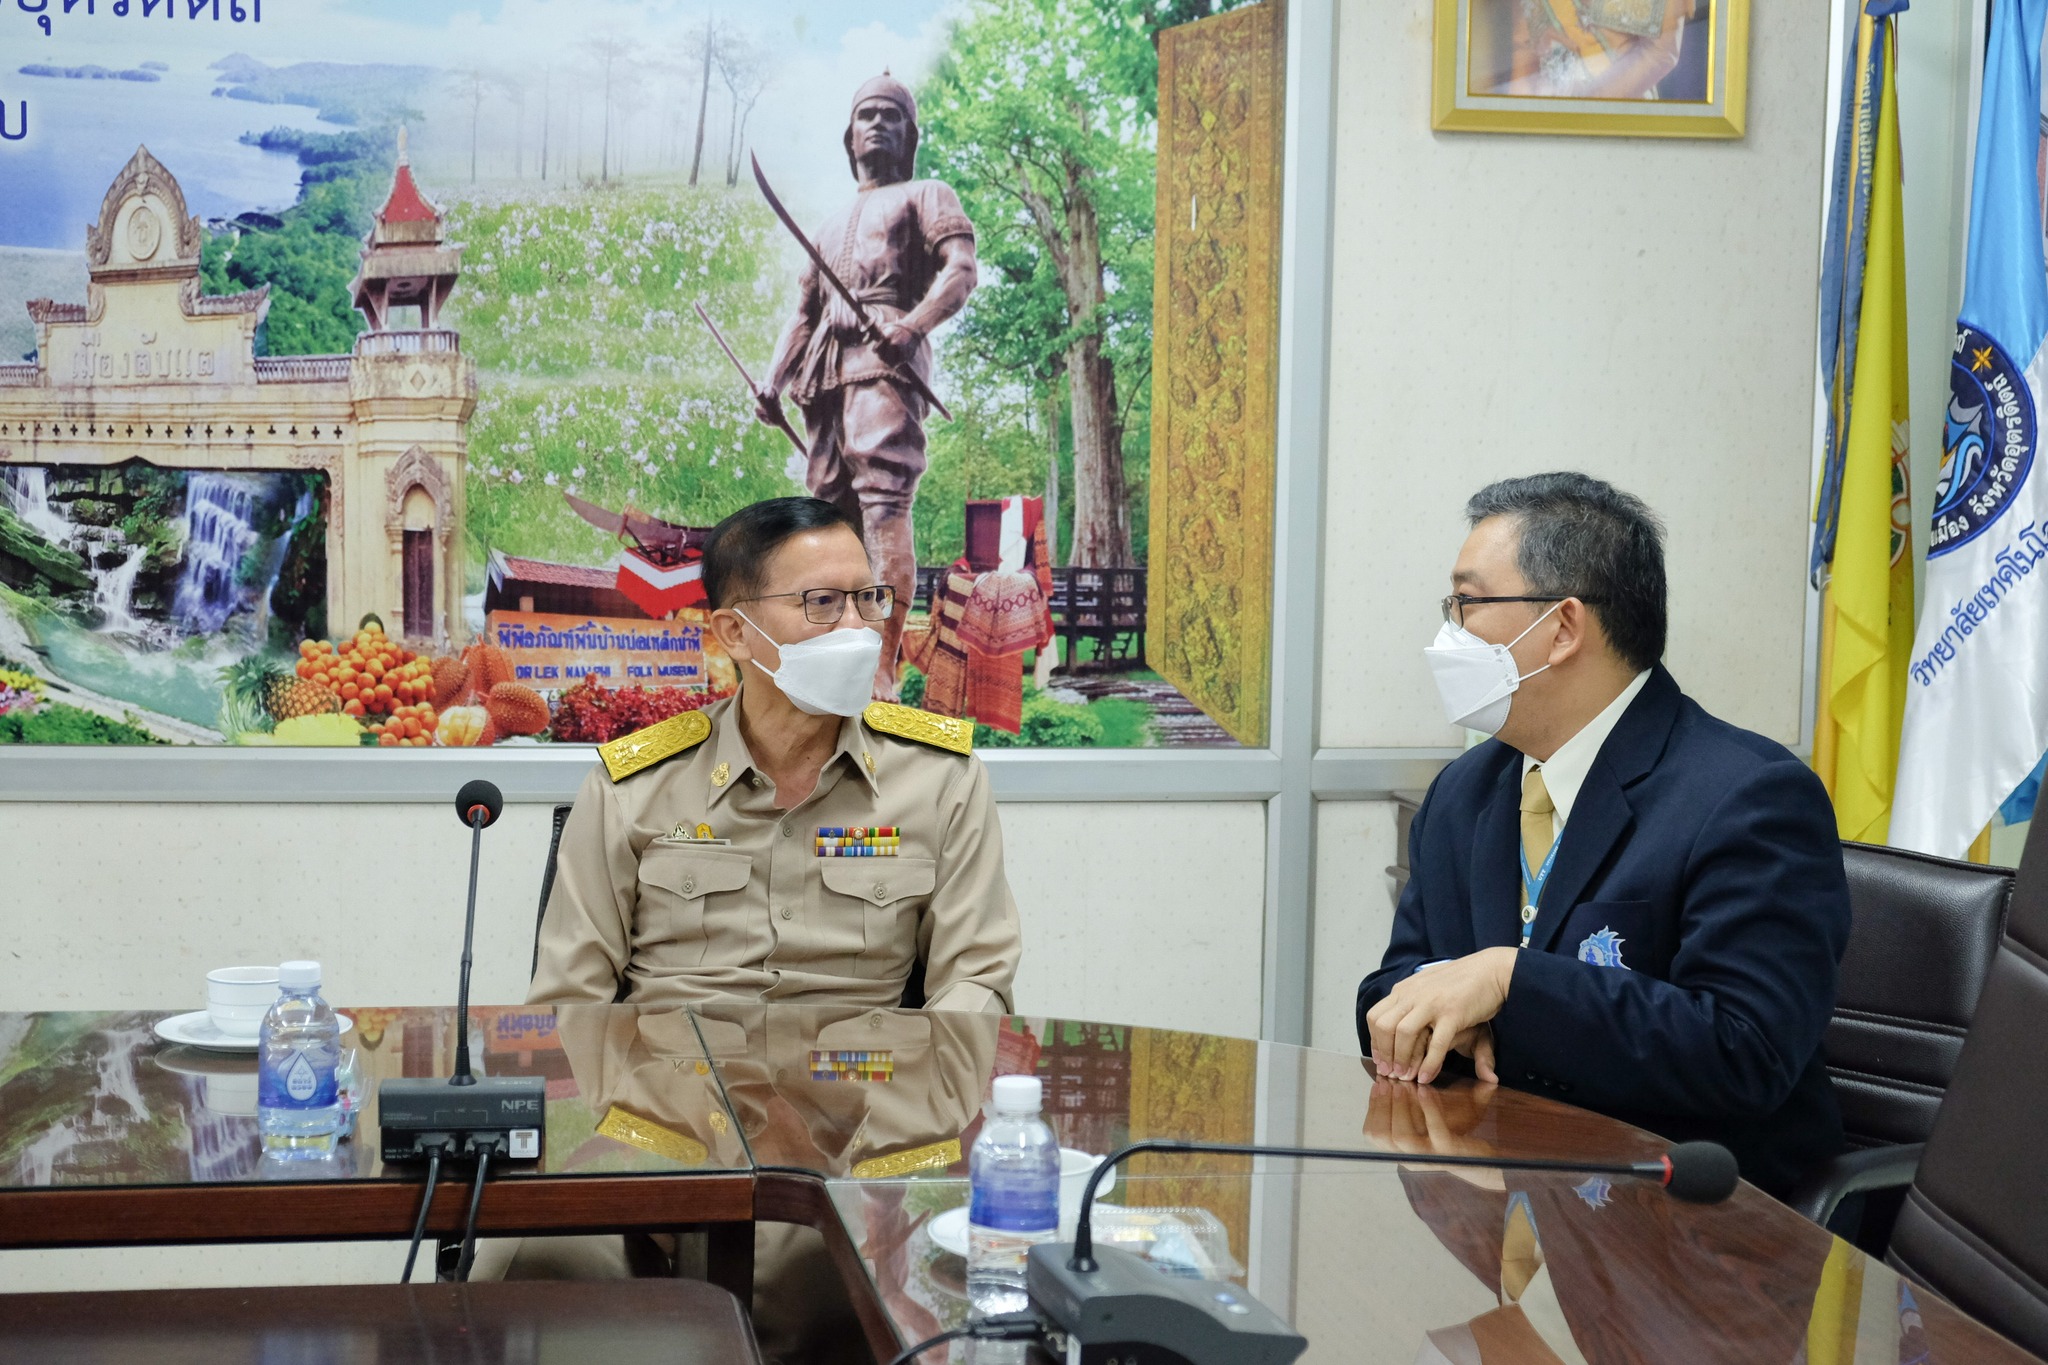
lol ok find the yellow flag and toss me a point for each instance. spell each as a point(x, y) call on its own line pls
point(1867, 604)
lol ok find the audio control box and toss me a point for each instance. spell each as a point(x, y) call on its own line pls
point(415, 1115)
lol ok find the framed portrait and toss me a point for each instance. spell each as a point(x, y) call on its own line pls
point(1622, 68)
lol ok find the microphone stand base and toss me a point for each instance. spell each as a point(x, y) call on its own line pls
point(417, 1115)
point(1130, 1310)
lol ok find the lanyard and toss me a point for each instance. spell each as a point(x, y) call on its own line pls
point(1535, 881)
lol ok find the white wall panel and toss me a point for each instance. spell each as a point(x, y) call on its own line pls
point(1354, 912)
point(1639, 309)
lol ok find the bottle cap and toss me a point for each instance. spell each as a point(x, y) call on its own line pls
point(298, 976)
point(1018, 1094)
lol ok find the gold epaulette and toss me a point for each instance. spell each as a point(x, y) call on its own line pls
point(635, 1130)
point(935, 1157)
point(662, 740)
point(907, 722)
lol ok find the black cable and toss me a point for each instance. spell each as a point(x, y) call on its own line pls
point(1001, 1327)
point(941, 1339)
point(476, 1199)
point(419, 1225)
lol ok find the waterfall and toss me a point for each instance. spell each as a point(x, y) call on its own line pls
point(112, 562)
point(28, 492)
point(114, 592)
point(218, 513)
point(274, 565)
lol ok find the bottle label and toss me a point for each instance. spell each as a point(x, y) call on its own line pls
point(300, 1082)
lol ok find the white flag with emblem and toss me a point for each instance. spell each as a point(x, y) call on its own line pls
point(1977, 695)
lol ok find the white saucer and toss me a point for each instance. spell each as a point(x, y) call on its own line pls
point(197, 1030)
point(948, 1231)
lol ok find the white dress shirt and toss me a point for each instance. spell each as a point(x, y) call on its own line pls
point(1564, 772)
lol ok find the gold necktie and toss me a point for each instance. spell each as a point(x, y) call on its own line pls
point(1537, 837)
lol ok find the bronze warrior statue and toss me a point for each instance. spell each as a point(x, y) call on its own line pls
point(904, 249)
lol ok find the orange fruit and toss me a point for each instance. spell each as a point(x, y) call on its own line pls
point(387, 741)
point(412, 728)
point(352, 708)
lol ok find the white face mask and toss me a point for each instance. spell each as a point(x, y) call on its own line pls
point(827, 675)
point(1476, 681)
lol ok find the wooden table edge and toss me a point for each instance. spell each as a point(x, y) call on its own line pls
point(787, 1195)
point(324, 1211)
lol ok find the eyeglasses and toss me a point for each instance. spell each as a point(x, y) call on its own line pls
point(824, 606)
point(1454, 606)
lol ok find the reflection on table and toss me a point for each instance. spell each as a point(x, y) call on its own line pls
point(1403, 1262)
point(97, 1099)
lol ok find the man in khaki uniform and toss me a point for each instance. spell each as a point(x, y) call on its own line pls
point(794, 842)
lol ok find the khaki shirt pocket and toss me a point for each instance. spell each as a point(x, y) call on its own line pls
point(677, 882)
point(884, 896)
point(888, 1030)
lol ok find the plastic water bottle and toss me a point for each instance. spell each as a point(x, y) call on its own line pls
point(298, 1097)
point(1013, 1176)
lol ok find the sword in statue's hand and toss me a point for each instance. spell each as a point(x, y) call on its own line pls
point(868, 327)
point(782, 422)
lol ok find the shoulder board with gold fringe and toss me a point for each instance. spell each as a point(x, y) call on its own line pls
point(936, 1157)
point(907, 722)
point(664, 739)
point(634, 1130)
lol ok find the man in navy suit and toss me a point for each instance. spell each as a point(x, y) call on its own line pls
point(1619, 900)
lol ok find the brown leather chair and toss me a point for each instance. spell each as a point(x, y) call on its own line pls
point(1923, 932)
point(1975, 1223)
point(547, 884)
point(1975, 1216)
point(1922, 935)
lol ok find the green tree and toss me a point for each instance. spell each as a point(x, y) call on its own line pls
point(308, 262)
point(1054, 158)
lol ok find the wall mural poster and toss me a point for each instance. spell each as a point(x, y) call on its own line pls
point(371, 370)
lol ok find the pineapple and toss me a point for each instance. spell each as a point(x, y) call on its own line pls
point(257, 681)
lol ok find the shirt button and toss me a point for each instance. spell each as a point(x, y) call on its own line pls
point(874, 1021)
point(689, 886)
point(787, 912)
point(881, 890)
point(788, 830)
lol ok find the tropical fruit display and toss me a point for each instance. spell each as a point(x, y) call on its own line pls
point(465, 726)
point(371, 674)
point(407, 727)
point(591, 713)
point(393, 698)
point(516, 709)
point(478, 685)
point(329, 730)
point(256, 682)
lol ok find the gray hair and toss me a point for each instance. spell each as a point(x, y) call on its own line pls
point(1583, 538)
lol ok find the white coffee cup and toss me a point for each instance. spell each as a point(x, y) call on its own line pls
point(1075, 1168)
point(237, 998)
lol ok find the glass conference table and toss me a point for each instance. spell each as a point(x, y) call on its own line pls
point(857, 1122)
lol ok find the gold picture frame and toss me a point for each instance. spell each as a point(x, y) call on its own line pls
point(1519, 66)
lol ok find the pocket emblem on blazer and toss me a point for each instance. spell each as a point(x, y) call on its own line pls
point(1602, 948)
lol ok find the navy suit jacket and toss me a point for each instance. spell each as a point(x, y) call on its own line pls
point(1710, 853)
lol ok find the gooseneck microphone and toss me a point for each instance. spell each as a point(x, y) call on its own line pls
point(465, 1116)
point(1697, 1172)
point(1122, 1304)
point(479, 803)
